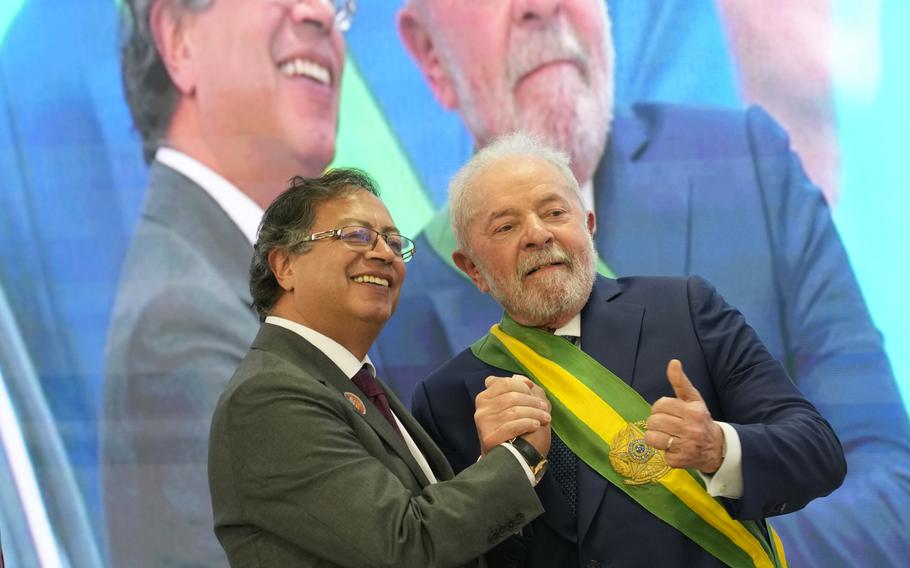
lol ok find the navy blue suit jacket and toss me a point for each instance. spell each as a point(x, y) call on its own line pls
point(684, 191)
point(634, 326)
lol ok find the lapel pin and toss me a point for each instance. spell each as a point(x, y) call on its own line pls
point(355, 400)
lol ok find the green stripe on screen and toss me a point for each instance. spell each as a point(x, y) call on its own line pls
point(366, 141)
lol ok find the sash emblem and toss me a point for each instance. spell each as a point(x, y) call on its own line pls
point(635, 460)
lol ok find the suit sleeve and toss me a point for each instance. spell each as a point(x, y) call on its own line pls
point(790, 455)
point(836, 357)
point(309, 470)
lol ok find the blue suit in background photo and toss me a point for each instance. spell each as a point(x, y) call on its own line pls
point(718, 193)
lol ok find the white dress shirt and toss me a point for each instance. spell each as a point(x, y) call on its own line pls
point(243, 211)
point(727, 481)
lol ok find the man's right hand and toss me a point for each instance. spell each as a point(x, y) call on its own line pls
point(510, 407)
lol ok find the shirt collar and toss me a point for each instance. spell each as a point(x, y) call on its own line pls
point(572, 328)
point(243, 211)
point(346, 361)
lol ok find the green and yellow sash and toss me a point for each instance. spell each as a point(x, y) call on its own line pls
point(593, 411)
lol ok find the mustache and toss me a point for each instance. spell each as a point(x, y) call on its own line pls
point(533, 48)
point(535, 259)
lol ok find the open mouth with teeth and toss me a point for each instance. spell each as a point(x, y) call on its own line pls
point(300, 67)
point(375, 280)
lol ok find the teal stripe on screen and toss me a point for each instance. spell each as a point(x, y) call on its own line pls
point(9, 9)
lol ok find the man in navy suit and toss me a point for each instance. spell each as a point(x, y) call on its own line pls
point(677, 191)
point(733, 418)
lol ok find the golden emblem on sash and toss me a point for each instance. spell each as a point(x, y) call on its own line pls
point(635, 460)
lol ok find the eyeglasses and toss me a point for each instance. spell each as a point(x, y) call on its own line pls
point(362, 238)
point(344, 10)
point(344, 13)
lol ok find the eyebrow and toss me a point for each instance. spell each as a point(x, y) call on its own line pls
point(512, 211)
point(349, 221)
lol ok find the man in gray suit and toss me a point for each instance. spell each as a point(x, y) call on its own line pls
point(232, 98)
point(312, 461)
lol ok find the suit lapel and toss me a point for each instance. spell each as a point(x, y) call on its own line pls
point(609, 333)
point(610, 330)
point(377, 421)
point(311, 360)
point(437, 460)
point(179, 204)
point(642, 204)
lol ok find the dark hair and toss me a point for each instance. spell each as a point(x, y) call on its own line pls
point(289, 220)
point(147, 85)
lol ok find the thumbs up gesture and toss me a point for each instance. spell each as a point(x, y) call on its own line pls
point(683, 428)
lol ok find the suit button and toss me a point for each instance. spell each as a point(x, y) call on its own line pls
point(593, 564)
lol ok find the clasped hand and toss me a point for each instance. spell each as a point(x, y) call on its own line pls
point(510, 407)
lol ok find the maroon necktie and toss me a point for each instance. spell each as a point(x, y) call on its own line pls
point(370, 386)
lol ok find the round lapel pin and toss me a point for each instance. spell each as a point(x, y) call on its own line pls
point(355, 400)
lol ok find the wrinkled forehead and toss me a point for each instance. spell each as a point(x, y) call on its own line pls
point(514, 176)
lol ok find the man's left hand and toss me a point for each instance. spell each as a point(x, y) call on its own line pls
point(683, 427)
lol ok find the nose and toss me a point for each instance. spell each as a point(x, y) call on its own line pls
point(537, 234)
point(318, 13)
point(536, 11)
point(381, 251)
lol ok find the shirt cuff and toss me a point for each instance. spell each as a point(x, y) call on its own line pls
point(727, 481)
point(522, 461)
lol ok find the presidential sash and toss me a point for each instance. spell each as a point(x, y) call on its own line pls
point(594, 410)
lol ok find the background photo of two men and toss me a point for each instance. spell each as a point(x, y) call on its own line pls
point(74, 184)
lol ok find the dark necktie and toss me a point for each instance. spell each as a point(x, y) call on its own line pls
point(370, 386)
point(564, 463)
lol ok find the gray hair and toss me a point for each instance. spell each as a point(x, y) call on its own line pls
point(150, 93)
point(289, 220)
point(518, 144)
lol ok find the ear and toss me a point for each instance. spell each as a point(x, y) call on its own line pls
point(591, 222)
point(416, 38)
point(280, 264)
point(468, 267)
point(170, 31)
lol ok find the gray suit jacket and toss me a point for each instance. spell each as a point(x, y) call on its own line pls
point(181, 324)
point(300, 478)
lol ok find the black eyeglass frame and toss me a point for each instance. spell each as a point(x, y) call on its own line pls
point(407, 245)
